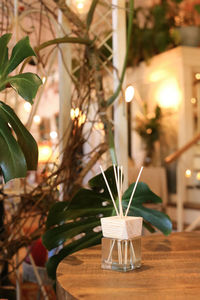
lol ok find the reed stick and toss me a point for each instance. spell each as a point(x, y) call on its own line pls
point(126, 250)
point(133, 192)
point(110, 252)
point(109, 190)
point(133, 253)
point(117, 180)
point(119, 252)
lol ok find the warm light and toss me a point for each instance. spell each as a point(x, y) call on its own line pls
point(36, 119)
point(53, 134)
point(72, 114)
point(197, 76)
point(198, 176)
point(157, 75)
point(129, 93)
point(149, 131)
point(45, 152)
point(99, 126)
point(43, 79)
point(82, 6)
point(168, 94)
point(76, 112)
point(188, 173)
point(81, 119)
point(27, 106)
point(193, 100)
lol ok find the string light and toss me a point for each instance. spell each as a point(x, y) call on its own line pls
point(27, 106)
point(149, 131)
point(78, 114)
point(193, 100)
point(53, 135)
point(198, 176)
point(45, 152)
point(197, 76)
point(36, 119)
point(82, 6)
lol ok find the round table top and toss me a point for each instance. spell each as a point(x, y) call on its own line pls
point(170, 270)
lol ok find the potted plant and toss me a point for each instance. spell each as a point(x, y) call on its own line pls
point(186, 15)
point(151, 32)
point(148, 126)
point(18, 149)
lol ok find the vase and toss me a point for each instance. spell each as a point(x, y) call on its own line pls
point(121, 243)
point(189, 35)
point(121, 255)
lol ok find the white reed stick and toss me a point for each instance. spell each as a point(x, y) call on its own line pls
point(121, 190)
point(133, 254)
point(125, 256)
point(119, 252)
point(133, 192)
point(109, 191)
point(110, 253)
point(117, 185)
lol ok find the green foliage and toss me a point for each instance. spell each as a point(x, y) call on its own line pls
point(18, 153)
point(153, 27)
point(197, 8)
point(151, 33)
point(66, 220)
point(148, 126)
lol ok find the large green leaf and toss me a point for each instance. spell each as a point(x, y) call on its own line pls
point(25, 84)
point(67, 231)
point(90, 239)
point(154, 217)
point(17, 155)
point(66, 220)
point(25, 140)
point(4, 40)
point(12, 160)
point(142, 194)
point(21, 51)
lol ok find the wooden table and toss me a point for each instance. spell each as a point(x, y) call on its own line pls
point(170, 270)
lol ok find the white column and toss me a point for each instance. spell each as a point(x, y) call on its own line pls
point(120, 111)
point(64, 83)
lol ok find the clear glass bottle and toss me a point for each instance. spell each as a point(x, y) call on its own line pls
point(121, 255)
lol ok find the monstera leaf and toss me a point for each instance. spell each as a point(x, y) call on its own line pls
point(82, 216)
point(25, 84)
point(18, 153)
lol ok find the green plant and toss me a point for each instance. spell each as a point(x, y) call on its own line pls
point(151, 32)
point(153, 27)
point(82, 215)
point(18, 151)
point(148, 126)
point(185, 12)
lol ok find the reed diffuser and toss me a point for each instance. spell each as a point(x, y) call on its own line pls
point(121, 242)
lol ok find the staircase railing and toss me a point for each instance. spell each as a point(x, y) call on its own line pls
point(172, 157)
point(169, 159)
